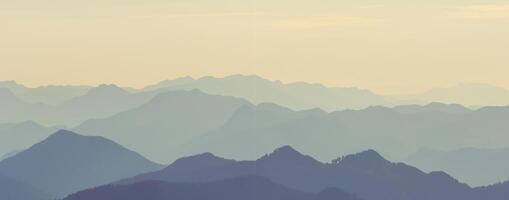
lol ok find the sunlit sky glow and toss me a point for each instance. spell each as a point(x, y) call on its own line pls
point(390, 46)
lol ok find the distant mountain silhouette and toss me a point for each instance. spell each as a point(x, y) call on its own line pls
point(477, 167)
point(71, 105)
point(98, 94)
point(471, 94)
point(99, 102)
point(13, 190)
point(15, 110)
point(17, 136)
point(169, 120)
point(51, 94)
point(245, 188)
point(433, 107)
point(367, 175)
point(254, 130)
point(298, 95)
point(66, 162)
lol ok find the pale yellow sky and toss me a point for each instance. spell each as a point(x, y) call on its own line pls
point(390, 46)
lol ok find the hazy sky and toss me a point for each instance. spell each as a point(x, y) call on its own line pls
point(389, 46)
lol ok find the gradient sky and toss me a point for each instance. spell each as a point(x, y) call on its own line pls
point(389, 46)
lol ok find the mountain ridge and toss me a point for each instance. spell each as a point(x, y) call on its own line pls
point(168, 120)
point(388, 181)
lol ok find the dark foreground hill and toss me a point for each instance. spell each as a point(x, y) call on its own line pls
point(367, 175)
point(240, 188)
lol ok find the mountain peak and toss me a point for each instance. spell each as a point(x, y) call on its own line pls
point(288, 156)
point(184, 78)
point(286, 150)
point(66, 162)
point(107, 89)
point(67, 139)
point(170, 83)
point(63, 133)
point(204, 156)
point(199, 161)
point(245, 77)
point(62, 138)
point(366, 159)
point(370, 153)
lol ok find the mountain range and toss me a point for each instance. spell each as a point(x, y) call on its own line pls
point(71, 105)
point(14, 110)
point(66, 162)
point(91, 167)
point(299, 95)
point(470, 94)
point(50, 95)
point(243, 117)
point(190, 122)
point(98, 102)
point(296, 95)
point(366, 174)
point(166, 122)
point(251, 131)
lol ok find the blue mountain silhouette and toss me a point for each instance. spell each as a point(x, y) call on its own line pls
point(168, 121)
point(253, 131)
point(48, 94)
point(367, 175)
point(299, 95)
point(66, 162)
